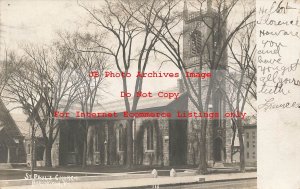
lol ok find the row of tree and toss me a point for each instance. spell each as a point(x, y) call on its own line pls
point(154, 25)
point(45, 79)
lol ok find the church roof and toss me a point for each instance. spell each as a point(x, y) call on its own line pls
point(7, 123)
point(119, 105)
point(21, 122)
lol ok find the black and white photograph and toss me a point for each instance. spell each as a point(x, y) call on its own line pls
point(149, 94)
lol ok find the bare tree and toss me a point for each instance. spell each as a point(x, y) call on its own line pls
point(210, 41)
point(41, 81)
point(241, 82)
point(84, 62)
point(4, 69)
point(130, 44)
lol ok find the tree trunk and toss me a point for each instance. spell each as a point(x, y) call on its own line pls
point(84, 154)
point(84, 147)
point(32, 151)
point(202, 169)
point(232, 141)
point(48, 158)
point(241, 140)
point(129, 152)
point(89, 145)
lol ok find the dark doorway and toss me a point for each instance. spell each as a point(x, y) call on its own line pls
point(178, 142)
point(218, 149)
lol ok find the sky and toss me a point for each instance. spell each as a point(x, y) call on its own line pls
point(32, 21)
point(38, 21)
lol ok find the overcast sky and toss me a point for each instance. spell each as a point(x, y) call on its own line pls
point(33, 21)
point(38, 21)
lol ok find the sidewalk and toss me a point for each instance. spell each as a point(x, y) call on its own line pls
point(139, 182)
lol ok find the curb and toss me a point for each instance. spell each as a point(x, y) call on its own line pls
point(198, 180)
point(188, 183)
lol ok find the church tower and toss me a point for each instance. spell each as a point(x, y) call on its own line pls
point(204, 35)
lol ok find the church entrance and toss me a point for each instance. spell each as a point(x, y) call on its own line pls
point(218, 145)
point(178, 142)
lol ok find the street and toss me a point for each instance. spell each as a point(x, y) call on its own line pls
point(239, 184)
point(236, 184)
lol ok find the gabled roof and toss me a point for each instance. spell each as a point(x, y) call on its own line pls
point(23, 125)
point(8, 124)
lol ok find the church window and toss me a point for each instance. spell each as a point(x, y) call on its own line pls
point(150, 136)
point(71, 142)
point(121, 137)
point(196, 42)
point(28, 149)
point(97, 145)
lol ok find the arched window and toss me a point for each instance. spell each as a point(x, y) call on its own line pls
point(121, 137)
point(150, 137)
point(97, 145)
point(71, 142)
point(196, 42)
point(28, 149)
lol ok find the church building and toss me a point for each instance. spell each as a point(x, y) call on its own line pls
point(160, 141)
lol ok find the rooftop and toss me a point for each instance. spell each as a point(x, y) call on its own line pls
point(119, 105)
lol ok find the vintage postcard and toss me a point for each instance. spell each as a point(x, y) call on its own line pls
point(149, 94)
